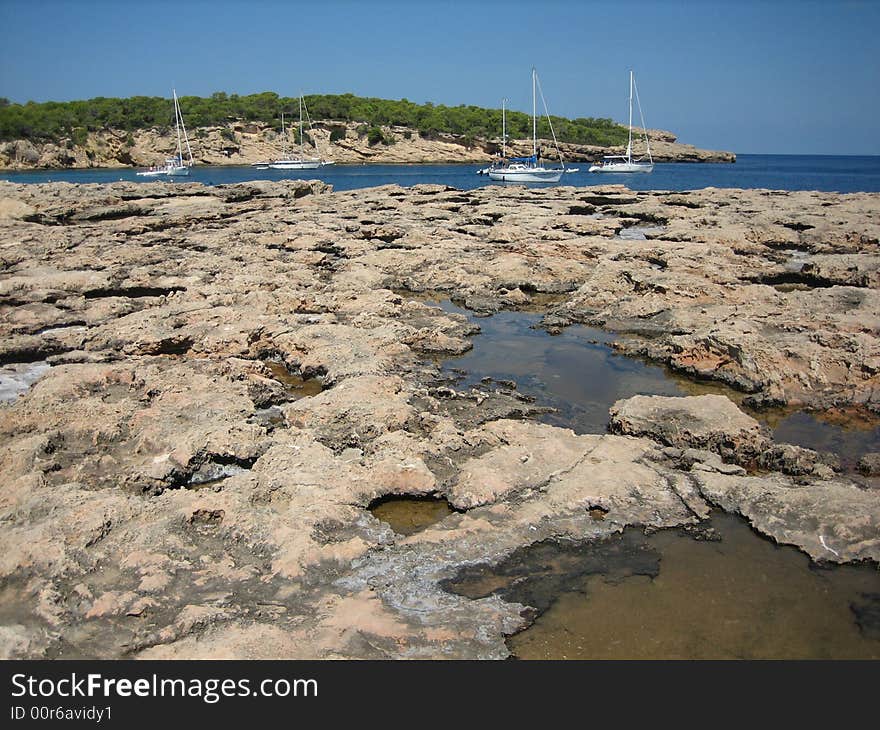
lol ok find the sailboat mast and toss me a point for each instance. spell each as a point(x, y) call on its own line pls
point(504, 127)
point(644, 126)
point(177, 125)
point(283, 137)
point(629, 144)
point(301, 147)
point(534, 118)
point(185, 135)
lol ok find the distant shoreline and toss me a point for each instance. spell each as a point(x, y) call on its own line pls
point(459, 163)
point(26, 170)
point(247, 143)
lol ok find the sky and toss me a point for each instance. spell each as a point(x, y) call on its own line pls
point(776, 76)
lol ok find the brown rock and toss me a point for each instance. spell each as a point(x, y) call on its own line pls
point(152, 501)
point(710, 422)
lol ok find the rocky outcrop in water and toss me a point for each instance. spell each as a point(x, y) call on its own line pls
point(714, 423)
point(710, 422)
point(869, 464)
point(172, 488)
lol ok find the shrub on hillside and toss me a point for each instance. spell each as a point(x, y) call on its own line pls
point(375, 136)
point(52, 121)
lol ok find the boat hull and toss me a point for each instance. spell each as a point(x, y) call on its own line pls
point(521, 176)
point(623, 167)
point(296, 165)
point(165, 171)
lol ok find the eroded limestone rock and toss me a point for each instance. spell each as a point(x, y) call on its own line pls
point(165, 495)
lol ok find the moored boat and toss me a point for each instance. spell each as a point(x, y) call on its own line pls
point(529, 169)
point(174, 165)
point(296, 163)
point(626, 163)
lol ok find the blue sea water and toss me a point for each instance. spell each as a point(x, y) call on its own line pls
point(845, 174)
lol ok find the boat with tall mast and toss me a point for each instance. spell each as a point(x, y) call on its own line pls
point(529, 169)
point(302, 162)
point(500, 161)
point(626, 163)
point(174, 165)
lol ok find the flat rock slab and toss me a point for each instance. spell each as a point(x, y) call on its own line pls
point(165, 494)
point(711, 422)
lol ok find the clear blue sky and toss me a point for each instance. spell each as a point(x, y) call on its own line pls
point(747, 76)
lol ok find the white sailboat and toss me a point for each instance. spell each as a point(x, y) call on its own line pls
point(528, 169)
point(626, 163)
point(174, 165)
point(501, 160)
point(302, 162)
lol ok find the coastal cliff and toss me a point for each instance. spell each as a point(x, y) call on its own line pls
point(244, 143)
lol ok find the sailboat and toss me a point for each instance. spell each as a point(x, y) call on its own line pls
point(528, 169)
point(499, 162)
point(302, 162)
point(626, 163)
point(174, 165)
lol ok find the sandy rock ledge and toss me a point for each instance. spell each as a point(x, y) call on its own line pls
point(205, 387)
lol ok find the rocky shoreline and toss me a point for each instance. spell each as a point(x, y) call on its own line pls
point(247, 143)
point(174, 488)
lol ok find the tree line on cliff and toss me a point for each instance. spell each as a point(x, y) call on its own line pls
point(72, 120)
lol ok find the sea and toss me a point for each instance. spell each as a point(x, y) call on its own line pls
point(828, 173)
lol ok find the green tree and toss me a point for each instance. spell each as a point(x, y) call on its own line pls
point(54, 121)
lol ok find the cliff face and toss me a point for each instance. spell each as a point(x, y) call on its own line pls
point(245, 143)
